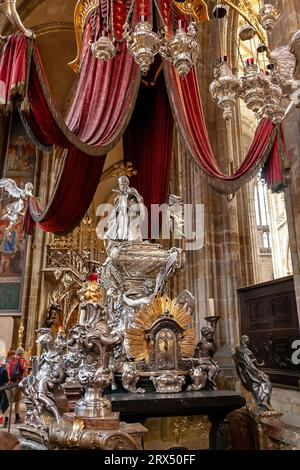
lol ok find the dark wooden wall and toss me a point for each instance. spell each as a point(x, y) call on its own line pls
point(268, 314)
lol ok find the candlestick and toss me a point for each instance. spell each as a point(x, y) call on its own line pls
point(211, 307)
point(213, 321)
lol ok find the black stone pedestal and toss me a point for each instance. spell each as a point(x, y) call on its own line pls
point(214, 404)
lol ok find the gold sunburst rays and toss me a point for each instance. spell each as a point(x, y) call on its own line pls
point(188, 343)
point(138, 345)
point(162, 306)
point(136, 337)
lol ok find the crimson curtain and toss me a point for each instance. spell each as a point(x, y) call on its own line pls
point(101, 109)
point(148, 143)
point(186, 102)
point(13, 71)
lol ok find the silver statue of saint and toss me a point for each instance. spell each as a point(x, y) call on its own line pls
point(126, 219)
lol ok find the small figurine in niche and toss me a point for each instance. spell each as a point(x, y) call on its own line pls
point(53, 320)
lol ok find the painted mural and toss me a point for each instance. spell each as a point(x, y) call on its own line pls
point(20, 161)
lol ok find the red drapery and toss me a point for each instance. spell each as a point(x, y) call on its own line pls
point(13, 71)
point(148, 143)
point(101, 109)
point(186, 102)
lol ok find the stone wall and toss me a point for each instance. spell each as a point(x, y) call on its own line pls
point(286, 401)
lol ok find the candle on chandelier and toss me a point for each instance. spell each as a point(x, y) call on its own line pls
point(223, 59)
point(143, 18)
point(211, 307)
point(179, 24)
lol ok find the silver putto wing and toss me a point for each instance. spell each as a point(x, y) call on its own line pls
point(10, 186)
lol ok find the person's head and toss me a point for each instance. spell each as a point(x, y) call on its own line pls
point(2, 361)
point(123, 183)
point(20, 351)
point(11, 353)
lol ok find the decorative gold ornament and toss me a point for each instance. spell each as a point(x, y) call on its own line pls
point(196, 8)
point(82, 10)
point(81, 239)
point(188, 342)
point(162, 306)
point(20, 333)
point(245, 10)
point(124, 170)
point(92, 293)
point(73, 436)
point(148, 315)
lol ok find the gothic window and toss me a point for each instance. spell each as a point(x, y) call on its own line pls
point(262, 217)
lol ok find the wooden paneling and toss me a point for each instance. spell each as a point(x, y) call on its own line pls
point(269, 317)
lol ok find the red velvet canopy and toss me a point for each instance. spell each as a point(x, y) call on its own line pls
point(148, 143)
point(102, 106)
point(187, 107)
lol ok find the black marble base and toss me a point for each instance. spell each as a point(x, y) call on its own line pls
point(215, 404)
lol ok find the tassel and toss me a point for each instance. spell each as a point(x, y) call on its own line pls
point(25, 107)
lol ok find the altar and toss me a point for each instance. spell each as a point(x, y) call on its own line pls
point(216, 405)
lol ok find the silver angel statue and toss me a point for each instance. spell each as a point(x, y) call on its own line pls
point(15, 210)
point(173, 264)
point(175, 215)
point(10, 9)
point(253, 379)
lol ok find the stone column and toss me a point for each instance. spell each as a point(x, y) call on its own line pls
point(292, 194)
point(286, 26)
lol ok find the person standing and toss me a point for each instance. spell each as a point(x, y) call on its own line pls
point(11, 353)
point(4, 379)
point(17, 369)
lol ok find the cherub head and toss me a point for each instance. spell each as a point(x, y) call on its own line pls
point(45, 338)
point(28, 189)
point(208, 333)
